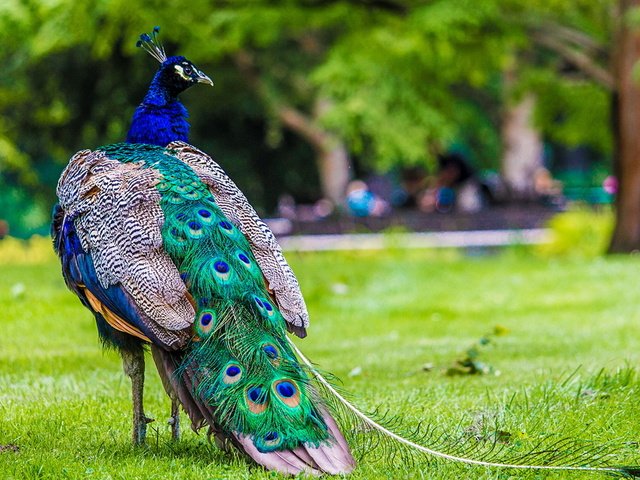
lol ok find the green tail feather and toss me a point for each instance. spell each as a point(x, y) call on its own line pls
point(241, 363)
point(257, 386)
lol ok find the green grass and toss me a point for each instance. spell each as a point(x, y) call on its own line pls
point(566, 364)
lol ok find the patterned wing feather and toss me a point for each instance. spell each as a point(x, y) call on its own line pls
point(280, 278)
point(115, 208)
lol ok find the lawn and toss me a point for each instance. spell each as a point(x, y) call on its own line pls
point(389, 324)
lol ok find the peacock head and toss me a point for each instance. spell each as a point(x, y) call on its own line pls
point(176, 74)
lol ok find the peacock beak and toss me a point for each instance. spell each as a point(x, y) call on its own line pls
point(202, 78)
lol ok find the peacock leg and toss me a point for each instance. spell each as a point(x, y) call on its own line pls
point(163, 362)
point(133, 365)
point(174, 421)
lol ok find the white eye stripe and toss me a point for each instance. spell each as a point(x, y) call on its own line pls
point(180, 72)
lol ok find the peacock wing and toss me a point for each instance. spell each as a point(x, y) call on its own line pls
point(113, 209)
point(279, 277)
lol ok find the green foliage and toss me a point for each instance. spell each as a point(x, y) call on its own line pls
point(403, 90)
point(563, 113)
point(23, 215)
point(66, 404)
point(398, 81)
point(578, 233)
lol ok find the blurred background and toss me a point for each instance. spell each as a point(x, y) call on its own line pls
point(343, 116)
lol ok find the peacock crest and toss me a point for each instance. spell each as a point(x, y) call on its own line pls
point(150, 44)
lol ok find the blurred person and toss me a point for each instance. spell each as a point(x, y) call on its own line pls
point(456, 187)
point(547, 189)
point(286, 206)
point(361, 202)
point(387, 186)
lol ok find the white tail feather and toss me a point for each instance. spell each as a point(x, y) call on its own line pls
point(372, 423)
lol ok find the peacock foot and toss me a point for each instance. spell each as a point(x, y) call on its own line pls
point(140, 430)
point(221, 441)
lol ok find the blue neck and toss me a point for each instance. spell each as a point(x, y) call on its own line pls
point(160, 118)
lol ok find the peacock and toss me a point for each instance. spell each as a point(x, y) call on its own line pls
point(167, 253)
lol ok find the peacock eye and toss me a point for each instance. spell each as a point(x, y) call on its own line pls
point(188, 70)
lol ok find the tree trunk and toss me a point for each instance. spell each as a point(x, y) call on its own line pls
point(332, 157)
point(626, 121)
point(522, 156)
point(335, 171)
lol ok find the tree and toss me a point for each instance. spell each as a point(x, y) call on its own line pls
point(415, 80)
point(385, 82)
point(601, 43)
point(626, 112)
point(415, 83)
point(332, 157)
point(545, 89)
point(280, 49)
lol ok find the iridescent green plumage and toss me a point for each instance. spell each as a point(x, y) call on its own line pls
point(242, 365)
